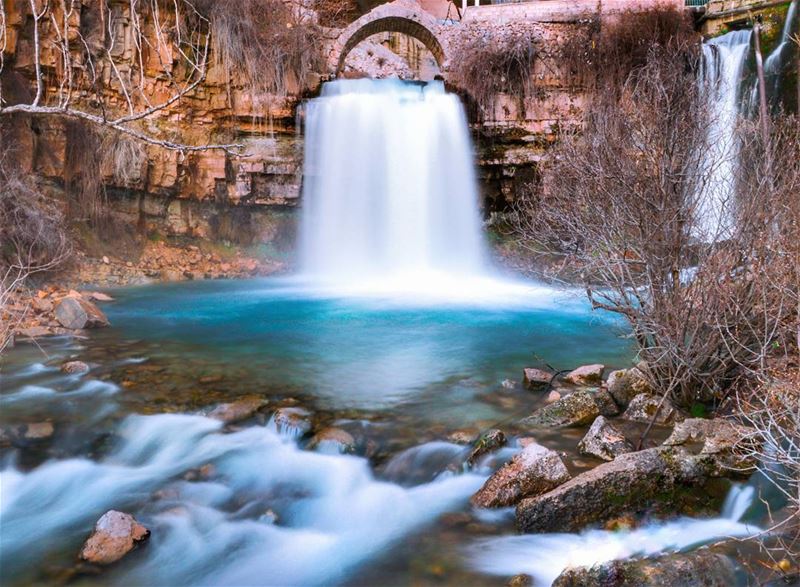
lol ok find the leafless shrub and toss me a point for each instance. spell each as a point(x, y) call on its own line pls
point(336, 13)
point(624, 204)
point(270, 43)
point(601, 56)
point(493, 63)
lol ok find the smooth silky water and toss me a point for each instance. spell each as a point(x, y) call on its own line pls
point(396, 330)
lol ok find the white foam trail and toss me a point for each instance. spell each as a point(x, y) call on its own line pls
point(332, 514)
point(545, 556)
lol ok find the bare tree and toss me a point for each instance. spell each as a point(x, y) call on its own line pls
point(118, 64)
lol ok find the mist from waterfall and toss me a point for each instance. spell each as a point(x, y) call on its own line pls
point(723, 63)
point(390, 196)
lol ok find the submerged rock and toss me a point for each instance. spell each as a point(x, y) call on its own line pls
point(487, 442)
point(576, 409)
point(333, 440)
point(533, 471)
point(645, 407)
point(586, 375)
point(535, 378)
point(76, 313)
point(294, 422)
point(74, 367)
point(114, 536)
point(630, 482)
point(703, 567)
point(604, 441)
point(236, 411)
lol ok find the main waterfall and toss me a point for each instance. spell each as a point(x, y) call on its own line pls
point(389, 195)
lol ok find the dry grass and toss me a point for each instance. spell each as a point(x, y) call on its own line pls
point(490, 64)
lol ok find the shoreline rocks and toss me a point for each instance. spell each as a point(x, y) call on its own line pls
point(238, 410)
point(604, 441)
point(576, 409)
point(586, 375)
point(115, 534)
point(533, 471)
point(75, 313)
point(535, 378)
point(646, 408)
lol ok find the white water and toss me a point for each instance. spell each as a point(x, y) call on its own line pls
point(545, 556)
point(390, 197)
point(723, 61)
point(774, 63)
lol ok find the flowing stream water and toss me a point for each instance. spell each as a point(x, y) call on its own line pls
point(397, 332)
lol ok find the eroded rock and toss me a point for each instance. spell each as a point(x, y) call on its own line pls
point(76, 313)
point(333, 440)
point(576, 409)
point(645, 408)
point(731, 445)
point(586, 375)
point(604, 441)
point(703, 567)
point(535, 378)
point(236, 411)
point(74, 367)
point(626, 384)
point(115, 535)
point(532, 472)
point(294, 422)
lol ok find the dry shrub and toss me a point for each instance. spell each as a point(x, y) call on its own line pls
point(336, 13)
point(269, 43)
point(493, 63)
point(601, 56)
point(622, 205)
point(83, 181)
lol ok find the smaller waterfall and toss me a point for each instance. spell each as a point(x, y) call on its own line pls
point(723, 62)
point(777, 60)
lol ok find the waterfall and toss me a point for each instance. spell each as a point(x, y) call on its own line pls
point(389, 192)
point(776, 61)
point(723, 62)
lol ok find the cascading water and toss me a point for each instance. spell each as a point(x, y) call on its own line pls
point(777, 60)
point(723, 62)
point(390, 194)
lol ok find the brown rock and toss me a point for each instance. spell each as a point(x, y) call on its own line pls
point(114, 536)
point(586, 375)
point(236, 411)
point(626, 384)
point(73, 367)
point(645, 407)
point(295, 422)
point(42, 305)
point(535, 470)
point(535, 378)
point(730, 445)
point(604, 441)
point(333, 440)
point(487, 442)
point(38, 431)
point(76, 314)
point(98, 296)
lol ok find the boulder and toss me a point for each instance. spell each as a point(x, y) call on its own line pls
point(644, 407)
point(626, 384)
point(74, 367)
point(576, 409)
point(531, 472)
point(630, 482)
point(236, 411)
point(535, 378)
point(586, 375)
point(487, 442)
point(604, 441)
point(606, 404)
point(729, 445)
point(114, 536)
point(294, 422)
point(77, 313)
point(703, 567)
point(333, 440)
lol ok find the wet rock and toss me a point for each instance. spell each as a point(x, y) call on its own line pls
point(626, 384)
point(535, 378)
point(114, 536)
point(586, 375)
point(37, 431)
point(604, 441)
point(22, 434)
point(703, 567)
point(487, 442)
point(236, 411)
point(576, 409)
point(464, 436)
point(333, 440)
point(630, 482)
point(509, 384)
point(535, 470)
point(76, 314)
point(294, 422)
point(74, 367)
point(520, 581)
point(729, 445)
point(644, 407)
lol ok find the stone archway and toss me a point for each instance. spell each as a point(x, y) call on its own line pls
point(400, 16)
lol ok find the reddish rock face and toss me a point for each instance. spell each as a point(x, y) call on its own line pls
point(114, 536)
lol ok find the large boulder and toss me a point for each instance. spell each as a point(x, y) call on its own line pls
point(645, 408)
point(730, 447)
point(703, 567)
point(576, 409)
point(604, 441)
point(533, 471)
point(586, 375)
point(626, 384)
point(631, 482)
point(114, 536)
point(76, 313)
point(535, 378)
